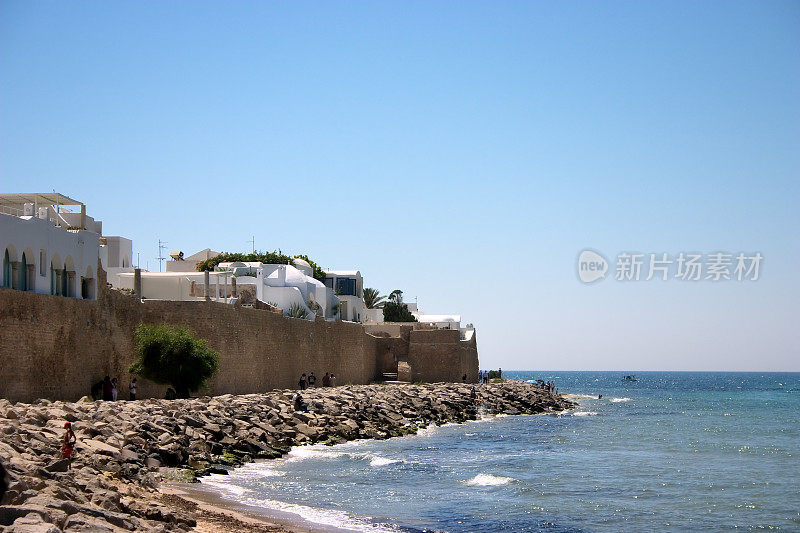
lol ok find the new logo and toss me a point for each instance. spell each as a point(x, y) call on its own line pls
point(591, 266)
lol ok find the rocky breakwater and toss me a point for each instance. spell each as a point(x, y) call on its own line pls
point(124, 449)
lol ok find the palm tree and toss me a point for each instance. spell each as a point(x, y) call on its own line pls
point(373, 299)
point(396, 296)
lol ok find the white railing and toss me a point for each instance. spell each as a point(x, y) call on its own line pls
point(8, 210)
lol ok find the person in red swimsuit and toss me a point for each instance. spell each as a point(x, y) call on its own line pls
point(68, 443)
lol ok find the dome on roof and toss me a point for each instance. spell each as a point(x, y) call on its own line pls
point(298, 262)
point(303, 266)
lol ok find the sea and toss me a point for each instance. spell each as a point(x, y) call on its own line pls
point(671, 451)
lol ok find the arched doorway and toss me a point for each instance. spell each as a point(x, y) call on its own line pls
point(55, 282)
point(88, 285)
point(6, 269)
point(22, 283)
point(68, 281)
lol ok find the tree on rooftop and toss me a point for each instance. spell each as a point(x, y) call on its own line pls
point(268, 258)
point(171, 355)
point(373, 299)
point(395, 310)
point(396, 296)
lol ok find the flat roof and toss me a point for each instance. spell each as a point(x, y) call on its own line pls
point(437, 318)
point(37, 198)
point(342, 273)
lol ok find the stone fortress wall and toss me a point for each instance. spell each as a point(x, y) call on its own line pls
point(55, 347)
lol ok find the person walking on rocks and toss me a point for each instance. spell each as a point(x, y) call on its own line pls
point(68, 443)
point(326, 380)
point(312, 379)
point(114, 390)
point(132, 389)
point(107, 388)
point(333, 380)
point(303, 382)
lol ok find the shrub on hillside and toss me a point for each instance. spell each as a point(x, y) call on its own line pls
point(171, 355)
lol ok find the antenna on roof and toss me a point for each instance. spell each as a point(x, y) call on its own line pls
point(161, 246)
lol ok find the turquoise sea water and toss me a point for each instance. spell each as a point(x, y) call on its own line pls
point(673, 451)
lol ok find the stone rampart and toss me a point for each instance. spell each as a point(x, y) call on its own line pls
point(56, 347)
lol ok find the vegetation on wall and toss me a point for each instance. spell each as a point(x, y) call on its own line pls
point(171, 355)
point(314, 306)
point(395, 310)
point(373, 299)
point(269, 258)
point(296, 310)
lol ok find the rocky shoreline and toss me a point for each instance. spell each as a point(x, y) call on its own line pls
point(125, 449)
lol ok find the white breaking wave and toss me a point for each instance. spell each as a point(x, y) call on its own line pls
point(221, 482)
point(428, 431)
point(488, 480)
point(582, 396)
point(617, 400)
point(299, 453)
point(381, 461)
point(272, 473)
point(326, 517)
point(584, 413)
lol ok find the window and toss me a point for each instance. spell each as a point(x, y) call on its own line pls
point(346, 286)
point(43, 263)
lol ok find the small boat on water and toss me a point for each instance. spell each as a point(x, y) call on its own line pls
point(630, 378)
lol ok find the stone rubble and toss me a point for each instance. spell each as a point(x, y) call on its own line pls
point(125, 449)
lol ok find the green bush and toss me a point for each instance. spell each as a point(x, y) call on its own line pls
point(171, 355)
point(395, 310)
point(494, 374)
point(297, 311)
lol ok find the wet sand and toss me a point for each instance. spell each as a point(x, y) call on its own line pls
point(214, 514)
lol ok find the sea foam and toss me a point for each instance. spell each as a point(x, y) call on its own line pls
point(325, 517)
point(488, 480)
point(381, 461)
point(617, 400)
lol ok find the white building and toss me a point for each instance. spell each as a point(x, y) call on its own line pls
point(375, 316)
point(46, 248)
point(116, 257)
point(288, 285)
point(180, 263)
point(282, 286)
point(348, 286)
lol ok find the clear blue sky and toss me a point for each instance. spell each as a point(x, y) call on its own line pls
point(464, 152)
